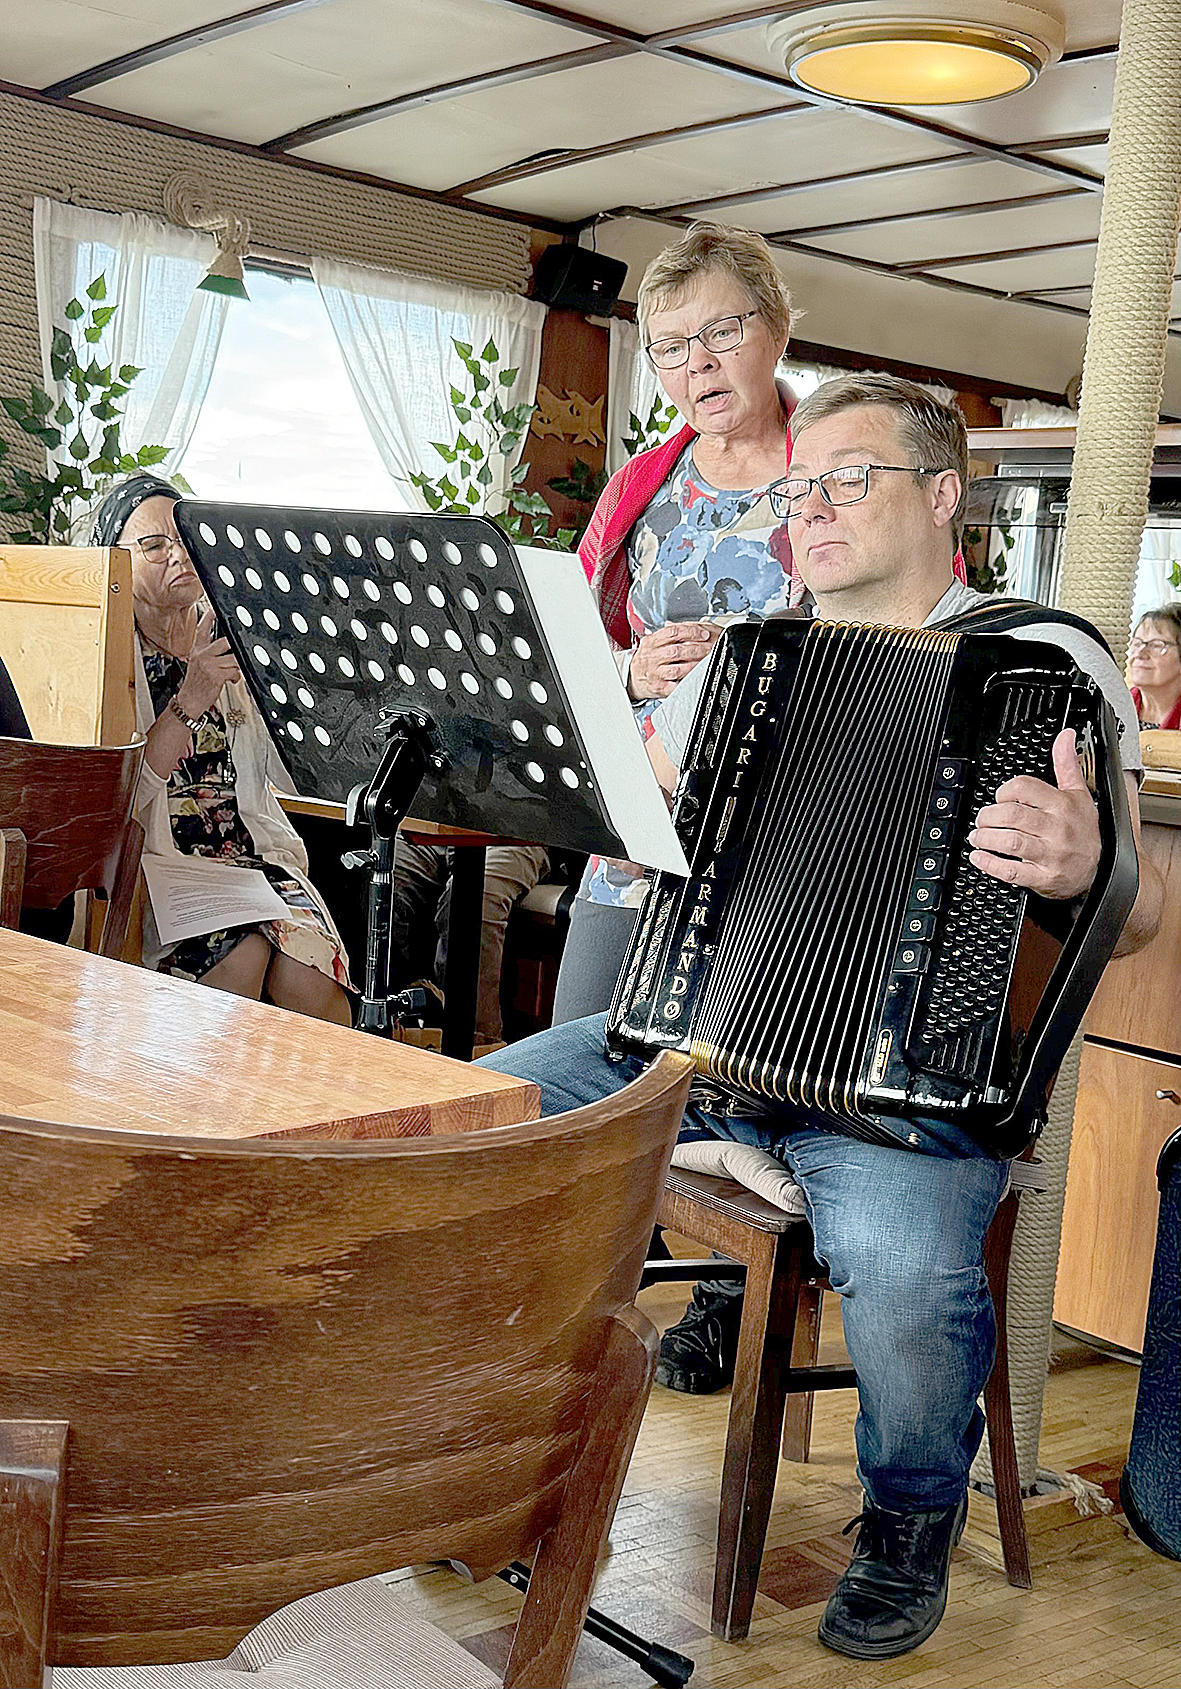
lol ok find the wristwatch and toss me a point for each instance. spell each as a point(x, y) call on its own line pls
point(191, 722)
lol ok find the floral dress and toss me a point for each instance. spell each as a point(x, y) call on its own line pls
point(206, 821)
point(698, 553)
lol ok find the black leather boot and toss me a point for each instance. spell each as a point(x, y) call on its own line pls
point(893, 1594)
point(697, 1354)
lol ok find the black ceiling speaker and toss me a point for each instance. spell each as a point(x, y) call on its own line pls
point(570, 278)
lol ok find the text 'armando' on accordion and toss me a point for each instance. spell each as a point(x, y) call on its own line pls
point(834, 948)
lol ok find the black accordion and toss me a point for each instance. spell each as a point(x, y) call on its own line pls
point(834, 949)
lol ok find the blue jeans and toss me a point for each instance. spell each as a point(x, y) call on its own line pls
point(901, 1233)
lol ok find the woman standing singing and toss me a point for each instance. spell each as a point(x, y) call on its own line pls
point(683, 538)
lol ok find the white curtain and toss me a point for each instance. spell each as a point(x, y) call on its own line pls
point(632, 390)
point(395, 334)
point(805, 378)
point(162, 324)
point(1032, 413)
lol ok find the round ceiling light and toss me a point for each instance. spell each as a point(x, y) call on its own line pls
point(925, 53)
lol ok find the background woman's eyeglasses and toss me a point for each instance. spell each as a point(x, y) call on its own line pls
point(1150, 647)
point(719, 336)
point(155, 547)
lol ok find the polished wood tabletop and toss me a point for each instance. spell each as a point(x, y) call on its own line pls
point(93, 1042)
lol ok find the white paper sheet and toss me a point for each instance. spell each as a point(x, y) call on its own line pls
point(578, 642)
point(192, 895)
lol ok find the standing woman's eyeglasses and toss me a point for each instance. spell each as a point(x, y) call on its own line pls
point(722, 335)
point(1150, 647)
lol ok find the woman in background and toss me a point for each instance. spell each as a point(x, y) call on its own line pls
point(1154, 667)
point(205, 786)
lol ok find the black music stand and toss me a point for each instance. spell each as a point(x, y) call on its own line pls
point(415, 660)
point(403, 660)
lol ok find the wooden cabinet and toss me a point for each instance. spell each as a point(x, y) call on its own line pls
point(1133, 1051)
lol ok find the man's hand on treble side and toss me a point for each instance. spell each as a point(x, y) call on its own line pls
point(1043, 837)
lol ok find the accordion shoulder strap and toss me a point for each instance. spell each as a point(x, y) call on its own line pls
point(1002, 615)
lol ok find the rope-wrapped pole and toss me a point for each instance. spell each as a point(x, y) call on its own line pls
point(1123, 376)
point(1123, 372)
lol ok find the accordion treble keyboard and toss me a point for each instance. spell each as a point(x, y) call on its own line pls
point(834, 948)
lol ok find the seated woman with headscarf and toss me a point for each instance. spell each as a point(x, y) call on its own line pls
point(205, 787)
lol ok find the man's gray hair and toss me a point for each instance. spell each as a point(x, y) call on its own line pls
point(711, 246)
point(933, 434)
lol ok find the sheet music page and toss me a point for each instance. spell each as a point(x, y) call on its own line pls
point(192, 895)
point(619, 763)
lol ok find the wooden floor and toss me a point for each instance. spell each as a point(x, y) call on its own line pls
point(1104, 1610)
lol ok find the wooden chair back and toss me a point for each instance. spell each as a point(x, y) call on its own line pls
point(66, 825)
point(66, 638)
point(251, 1370)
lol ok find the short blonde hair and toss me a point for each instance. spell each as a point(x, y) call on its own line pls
point(933, 434)
point(710, 246)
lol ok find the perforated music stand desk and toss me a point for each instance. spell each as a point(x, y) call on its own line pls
point(360, 633)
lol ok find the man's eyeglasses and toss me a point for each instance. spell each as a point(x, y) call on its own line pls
point(155, 547)
point(1150, 647)
point(722, 335)
point(847, 484)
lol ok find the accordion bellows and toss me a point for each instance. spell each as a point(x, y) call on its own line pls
point(834, 949)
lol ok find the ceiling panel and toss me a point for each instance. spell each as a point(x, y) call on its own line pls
point(976, 182)
point(1076, 218)
point(1068, 99)
point(650, 17)
point(1093, 159)
point(314, 64)
point(806, 206)
point(802, 145)
point(457, 140)
point(1072, 267)
point(57, 38)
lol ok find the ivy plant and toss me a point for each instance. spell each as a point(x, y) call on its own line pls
point(487, 428)
point(643, 434)
point(83, 427)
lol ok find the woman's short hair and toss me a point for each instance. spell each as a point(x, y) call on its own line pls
point(933, 434)
point(709, 246)
point(1165, 615)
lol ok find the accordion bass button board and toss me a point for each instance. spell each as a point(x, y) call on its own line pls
point(834, 949)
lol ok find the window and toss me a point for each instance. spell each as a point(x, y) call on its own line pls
point(280, 423)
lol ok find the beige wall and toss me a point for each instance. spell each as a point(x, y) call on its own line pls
point(117, 167)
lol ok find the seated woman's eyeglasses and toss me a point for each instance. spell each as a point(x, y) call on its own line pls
point(722, 335)
point(847, 484)
point(1150, 647)
point(155, 547)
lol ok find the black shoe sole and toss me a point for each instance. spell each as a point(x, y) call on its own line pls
point(688, 1382)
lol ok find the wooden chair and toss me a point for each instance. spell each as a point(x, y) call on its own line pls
point(67, 640)
point(234, 1373)
point(66, 825)
point(776, 1374)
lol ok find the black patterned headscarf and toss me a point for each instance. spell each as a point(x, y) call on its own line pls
point(113, 513)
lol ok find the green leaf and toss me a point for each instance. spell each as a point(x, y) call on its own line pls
point(93, 335)
point(102, 316)
point(103, 410)
point(63, 414)
point(117, 389)
point(39, 401)
point(16, 409)
point(484, 475)
point(447, 487)
point(432, 498)
point(447, 453)
point(128, 372)
point(490, 355)
point(507, 377)
point(74, 310)
point(462, 444)
point(463, 413)
point(79, 447)
point(480, 381)
point(151, 454)
point(565, 538)
point(462, 347)
point(519, 474)
point(98, 287)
